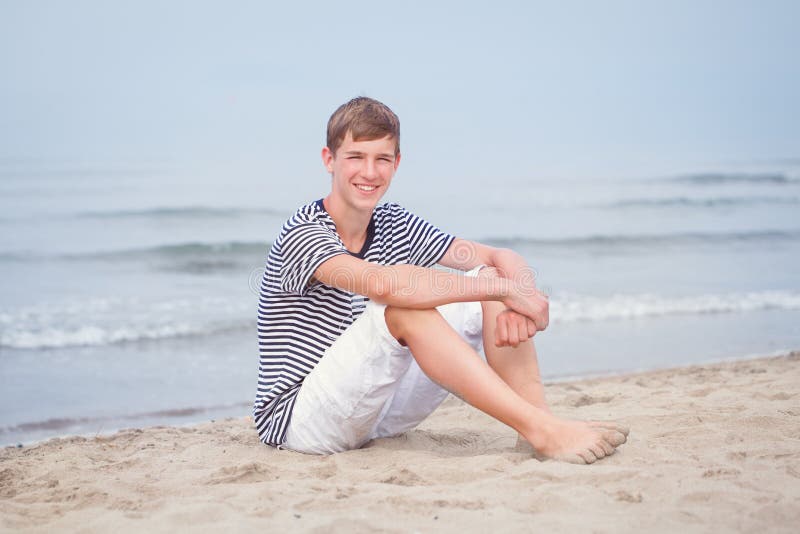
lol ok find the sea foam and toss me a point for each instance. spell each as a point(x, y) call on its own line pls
point(575, 307)
point(91, 323)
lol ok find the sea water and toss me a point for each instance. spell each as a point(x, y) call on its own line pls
point(128, 295)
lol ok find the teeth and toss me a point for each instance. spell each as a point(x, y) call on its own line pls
point(367, 187)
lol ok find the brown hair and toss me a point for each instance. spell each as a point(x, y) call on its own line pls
point(366, 119)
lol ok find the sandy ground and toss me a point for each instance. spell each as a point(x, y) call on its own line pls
point(713, 448)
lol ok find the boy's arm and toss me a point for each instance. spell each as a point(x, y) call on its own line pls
point(513, 324)
point(411, 286)
point(408, 286)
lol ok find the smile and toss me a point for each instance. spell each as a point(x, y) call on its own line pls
point(366, 187)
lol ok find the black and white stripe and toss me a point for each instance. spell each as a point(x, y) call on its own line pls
point(298, 320)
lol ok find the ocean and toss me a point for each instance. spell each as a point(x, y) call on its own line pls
point(128, 294)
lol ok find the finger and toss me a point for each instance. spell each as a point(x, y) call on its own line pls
point(531, 327)
point(545, 314)
point(513, 334)
point(522, 328)
point(542, 320)
point(540, 323)
point(501, 332)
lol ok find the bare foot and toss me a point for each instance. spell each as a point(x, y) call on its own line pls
point(615, 433)
point(576, 441)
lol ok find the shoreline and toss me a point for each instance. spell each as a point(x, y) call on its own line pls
point(177, 413)
point(779, 353)
point(713, 447)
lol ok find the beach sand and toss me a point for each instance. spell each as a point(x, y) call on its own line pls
point(712, 448)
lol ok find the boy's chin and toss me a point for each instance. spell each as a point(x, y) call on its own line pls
point(368, 201)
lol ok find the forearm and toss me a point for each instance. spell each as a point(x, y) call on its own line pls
point(512, 266)
point(411, 286)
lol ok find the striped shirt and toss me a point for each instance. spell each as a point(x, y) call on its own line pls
point(299, 318)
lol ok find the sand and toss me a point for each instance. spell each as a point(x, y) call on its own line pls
point(713, 448)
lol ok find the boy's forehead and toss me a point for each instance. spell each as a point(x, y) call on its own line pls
point(384, 144)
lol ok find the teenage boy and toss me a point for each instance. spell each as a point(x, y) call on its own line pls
point(359, 338)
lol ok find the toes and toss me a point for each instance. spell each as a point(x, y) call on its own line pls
point(575, 459)
point(614, 438)
point(610, 425)
point(607, 447)
point(588, 456)
point(598, 451)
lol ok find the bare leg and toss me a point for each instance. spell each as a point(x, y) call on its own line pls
point(517, 366)
point(450, 361)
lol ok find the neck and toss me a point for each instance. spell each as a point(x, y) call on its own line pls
point(351, 224)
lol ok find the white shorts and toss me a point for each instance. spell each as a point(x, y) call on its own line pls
point(369, 386)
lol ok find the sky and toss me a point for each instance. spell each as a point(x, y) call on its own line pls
point(484, 90)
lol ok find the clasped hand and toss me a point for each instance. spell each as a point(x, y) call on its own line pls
point(525, 315)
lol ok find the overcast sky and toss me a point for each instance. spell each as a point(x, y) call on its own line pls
point(483, 89)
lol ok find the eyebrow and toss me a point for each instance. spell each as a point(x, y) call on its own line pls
point(359, 153)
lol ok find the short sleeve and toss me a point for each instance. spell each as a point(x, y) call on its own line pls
point(427, 243)
point(301, 249)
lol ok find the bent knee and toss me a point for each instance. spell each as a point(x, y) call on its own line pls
point(402, 321)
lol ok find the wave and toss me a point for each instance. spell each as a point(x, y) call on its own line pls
point(571, 308)
point(63, 424)
point(177, 251)
point(201, 257)
point(188, 212)
point(107, 321)
point(721, 178)
point(100, 322)
point(619, 241)
point(190, 258)
point(92, 335)
point(711, 202)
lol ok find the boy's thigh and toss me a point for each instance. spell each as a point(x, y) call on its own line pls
point(343, 399)
point(416, 396)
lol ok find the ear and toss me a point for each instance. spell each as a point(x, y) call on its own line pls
point(327, 159)
point(397, 161)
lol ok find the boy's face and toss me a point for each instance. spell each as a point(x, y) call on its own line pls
point(361, 170)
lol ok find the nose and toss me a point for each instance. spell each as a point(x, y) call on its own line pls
point(370, 169)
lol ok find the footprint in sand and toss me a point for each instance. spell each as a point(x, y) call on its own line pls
point(720, 473)
point(403, 477)
point(460, 504)
point(625, 496)
point(327, 470)
point(587, 400)
point(240, 474)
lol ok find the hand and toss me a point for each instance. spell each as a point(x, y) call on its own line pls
point(532, 304)
point(512, 329)
point(526, 301)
